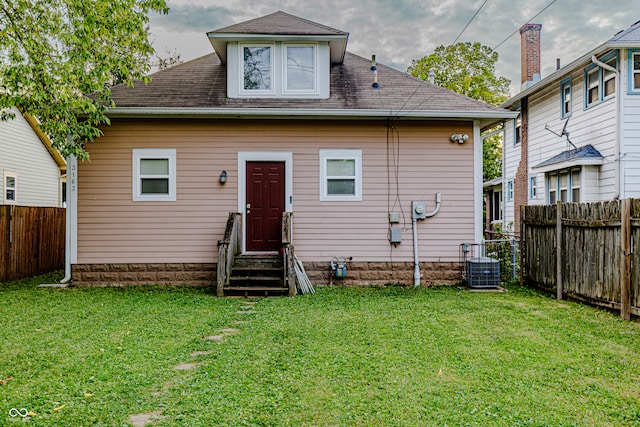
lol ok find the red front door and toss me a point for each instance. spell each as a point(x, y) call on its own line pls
point(265, 204)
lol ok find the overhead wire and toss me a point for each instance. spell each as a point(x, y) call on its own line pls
point(528, 20)
point(470, 21)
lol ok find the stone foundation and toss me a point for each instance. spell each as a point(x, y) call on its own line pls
point(143, 274)
point(358, 274)
point(385, 273)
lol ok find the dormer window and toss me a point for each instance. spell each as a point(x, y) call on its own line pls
point(257, 67)
point(300, 69)
point(278, 70)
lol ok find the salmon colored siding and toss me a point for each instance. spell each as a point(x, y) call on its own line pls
point(114, 229)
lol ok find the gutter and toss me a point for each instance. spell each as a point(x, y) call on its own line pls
point(306, 113)
point(618, 180)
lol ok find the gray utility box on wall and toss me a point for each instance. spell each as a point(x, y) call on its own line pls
point(483, 272)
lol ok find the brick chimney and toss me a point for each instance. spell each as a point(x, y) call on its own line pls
point(530, 54)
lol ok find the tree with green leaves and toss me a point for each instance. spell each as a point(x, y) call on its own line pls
point(54, 54)
point(469, 69)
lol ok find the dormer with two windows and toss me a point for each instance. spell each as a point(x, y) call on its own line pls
point(271, 58)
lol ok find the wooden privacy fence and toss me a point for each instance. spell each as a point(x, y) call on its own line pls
point(32, 241)
point(596, 262)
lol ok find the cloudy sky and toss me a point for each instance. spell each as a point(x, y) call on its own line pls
point(398, 31)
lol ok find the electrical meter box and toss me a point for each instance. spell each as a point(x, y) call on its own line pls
point(418, 210)
point(395, 235)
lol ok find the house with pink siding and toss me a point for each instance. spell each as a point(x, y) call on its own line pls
point(278, 142)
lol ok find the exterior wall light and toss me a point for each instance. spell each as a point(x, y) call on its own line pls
point(223, 177)
point(459, 138)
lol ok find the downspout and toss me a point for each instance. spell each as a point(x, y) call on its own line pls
point(414, 223)
point(70, 254)
point(618, 180)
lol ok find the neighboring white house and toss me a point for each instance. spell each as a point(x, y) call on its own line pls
point(32, 171)
point(577, 138)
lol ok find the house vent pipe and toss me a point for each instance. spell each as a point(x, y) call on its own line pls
point(418, 213)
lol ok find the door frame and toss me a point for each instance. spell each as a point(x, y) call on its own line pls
point(263, 156)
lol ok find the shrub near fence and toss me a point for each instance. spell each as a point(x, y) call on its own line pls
point(596, 262)
point(32, 241)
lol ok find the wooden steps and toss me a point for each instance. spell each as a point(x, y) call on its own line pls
point(257, 275)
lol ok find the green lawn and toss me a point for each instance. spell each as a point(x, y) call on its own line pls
point(344, 357)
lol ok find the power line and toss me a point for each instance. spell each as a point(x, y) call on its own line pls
point(470, 20)
point(529, 20)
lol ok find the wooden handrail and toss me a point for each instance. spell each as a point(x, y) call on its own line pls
point(288, 253)
point(228, 248)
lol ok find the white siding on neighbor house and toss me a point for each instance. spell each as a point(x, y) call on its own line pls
point(114, 229)
point(595, 125)
point(22, 152)
point(630, 141)
point(510, 162)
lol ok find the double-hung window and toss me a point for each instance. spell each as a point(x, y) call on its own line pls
point(340, 175)
point(510, 191)
point(593, 86)
point(154, 175)
point(533, 187)
point(565, 98)
point(609, 78)
point(600, 82)
point(634, 71)
point(10, 187)
point(517, 130)
point(563, 185)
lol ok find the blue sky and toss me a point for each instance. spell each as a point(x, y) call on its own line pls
point(398, 31)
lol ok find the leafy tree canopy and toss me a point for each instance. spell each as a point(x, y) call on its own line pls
point(469, 69)
point(54, 53)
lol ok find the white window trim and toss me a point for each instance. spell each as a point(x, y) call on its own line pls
point(153, 153)
point(285, 89)
point(257, 92)
point(510, 191)
point(350, 154)
point(14, 175)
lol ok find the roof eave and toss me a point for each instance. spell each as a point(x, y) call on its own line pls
point(571, 67)
point(305, 113)
point(55, 154)
point(594, 161)
point(337, 42)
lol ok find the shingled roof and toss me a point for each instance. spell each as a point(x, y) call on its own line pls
point(198, 87)
point(279, 23)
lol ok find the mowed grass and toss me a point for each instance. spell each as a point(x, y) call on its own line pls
point(343, 357)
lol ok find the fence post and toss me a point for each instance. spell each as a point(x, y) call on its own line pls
point(559, 250)
point(625, 263)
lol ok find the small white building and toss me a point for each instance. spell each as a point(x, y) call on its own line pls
point(577, 138)
point(33, 172)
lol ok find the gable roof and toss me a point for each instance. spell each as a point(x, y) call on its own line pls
point(280, 23)
point(280, 26)
point(629, 38)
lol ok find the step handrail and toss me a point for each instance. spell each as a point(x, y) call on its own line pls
point(288, 253)
point(228, 248)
